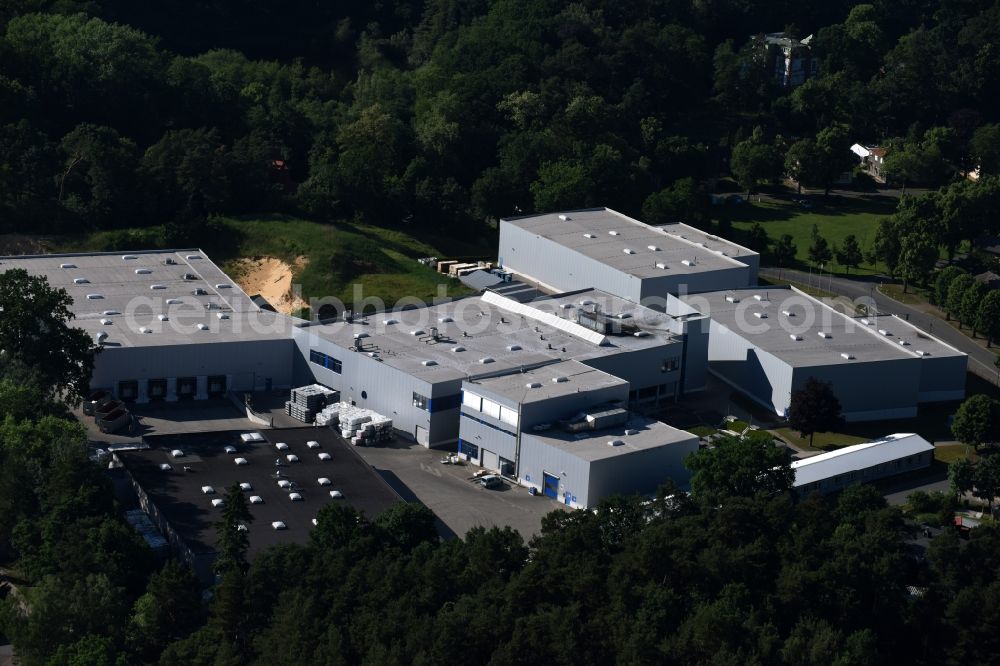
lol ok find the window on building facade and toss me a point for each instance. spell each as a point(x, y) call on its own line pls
point(419, 401)
point(671, 365)
point(328, 362)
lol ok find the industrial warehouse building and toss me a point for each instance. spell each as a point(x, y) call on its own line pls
point(604, 249)
point(766, 342)
point(174, 327)
point(410, 365)
point(863, 463)
point(563, 429)
point(171, 324)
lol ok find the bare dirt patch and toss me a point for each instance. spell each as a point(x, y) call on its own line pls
point(271, 278)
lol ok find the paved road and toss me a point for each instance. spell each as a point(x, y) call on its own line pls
point(449, 491)
point(980, 360)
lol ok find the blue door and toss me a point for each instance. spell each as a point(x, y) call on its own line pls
point(550, 485)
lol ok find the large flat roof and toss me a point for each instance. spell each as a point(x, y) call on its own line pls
point(132, 290)
point(513, 334)
point(793, 322)
point(858, 457)
point(640, 433)
point(606, 235)
point(178, 496)
point(541, 383)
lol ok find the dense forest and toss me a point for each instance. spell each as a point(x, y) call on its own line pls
point(451, 113)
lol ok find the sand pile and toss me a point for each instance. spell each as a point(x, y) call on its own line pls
point(272, 279)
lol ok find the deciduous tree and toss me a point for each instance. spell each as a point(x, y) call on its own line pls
point(814, 408)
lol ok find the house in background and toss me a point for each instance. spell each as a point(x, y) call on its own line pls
point(791, 59)
point(872, 158)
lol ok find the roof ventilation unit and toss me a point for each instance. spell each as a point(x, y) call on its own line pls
point(246, 486)
point(428, 363)
point(389, 322)
point(662, 266)
point(173, 301)
point(865, 321)
point(560, 379)
point(142, 271)
point(513, 348)
point(106, 322)
point(323, 456)
point(760, 315)
point(207, 490)
point(630, 431)
point(532, 385)
point(222, 315)
point(566, 306)
point(277, 525)
point(586, 301)
point(445, 320)
point(788, 313)
point(849, 357)
point(193, 256)
point(795, 337)
point(687, 262)
point(641, 334)
point(823, 334)
point(281, 446)
point(202, 327)
point(884, 332)
point(564, 218)
point(241, 461)
point(217, 502)
point(177, 453)
point(921, 352)
point(589, 236)
point(615, 442)
point(295, 497)
point(94, 297)
point(129, 257)
point(165, 467)
point(144, 330)
point(111, 312)
point(312, 444)
point(417, 331)
point(486, 359)
point(101, 336)
point(81, 281)
point(256, 499)
point(323, 481)
point(733, 299)
point(362, 334)
point(457, 349)
point(905, 343)
point(157, 286)
point(67, 265)
point(223, 286)
point(612, 233)
point(162, 317)
point(653, 248)
point(336, 494)
point(758, 297)
point(628, 251)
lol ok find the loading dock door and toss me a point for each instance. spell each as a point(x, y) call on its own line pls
point(550, 485)
point(491, 461)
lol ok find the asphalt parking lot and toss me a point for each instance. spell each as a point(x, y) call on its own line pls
point(452, 494)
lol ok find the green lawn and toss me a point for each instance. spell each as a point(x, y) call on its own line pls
point(337, 256)
point(951, 453)
point(836, 218)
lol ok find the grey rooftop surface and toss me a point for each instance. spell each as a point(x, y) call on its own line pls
point(858, 457)
point(471, 330)
point(606, 235)
point(793, 326)
point(593, 445)
point(178, 496)
point(132, 290)
point(578, 378)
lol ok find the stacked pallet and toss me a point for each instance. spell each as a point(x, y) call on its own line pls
point(307, 401)
point(329, 415)
point(363, 427)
